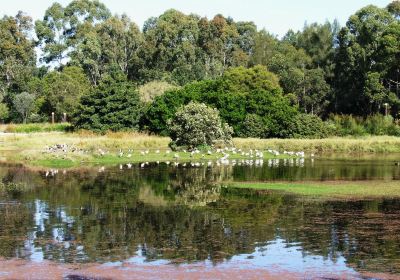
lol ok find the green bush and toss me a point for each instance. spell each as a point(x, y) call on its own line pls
point(378, 125)
point(197, 125)
point(308, 126)
point(344, 125)
point(113, 105)
point(253, 126)
point(236, 94)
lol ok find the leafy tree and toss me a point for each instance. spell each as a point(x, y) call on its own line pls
point(237, 93)
point(113, 105)
point(374, 92)
point(316, 91)
point(394, 8)
point(170, 49)
point(112, 44)
point(197, 124)
point(61, 91)
point(62, 28)
point(17, 54)
point(367, 55)
point(317, 40)
point(24, 104)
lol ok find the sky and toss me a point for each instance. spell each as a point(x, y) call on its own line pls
point(276, 16)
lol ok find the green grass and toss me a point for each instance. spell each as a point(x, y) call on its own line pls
point(28, 148)
point(35, 127)
point(329, 190)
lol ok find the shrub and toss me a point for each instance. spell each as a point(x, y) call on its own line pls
point(236, 94)
point(378, 125)
point(253, 126)
point(308, 126)
point(113, 105)
point(197, 125)
point(346, 125)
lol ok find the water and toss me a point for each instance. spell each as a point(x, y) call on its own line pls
point(163, 214)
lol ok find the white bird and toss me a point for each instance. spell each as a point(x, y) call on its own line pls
point(129, 165)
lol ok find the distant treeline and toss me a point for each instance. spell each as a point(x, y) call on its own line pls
point(106, 73)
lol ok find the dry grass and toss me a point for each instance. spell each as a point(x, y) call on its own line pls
point(84, 140)
point(368, 144)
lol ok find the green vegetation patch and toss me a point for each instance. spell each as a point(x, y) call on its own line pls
point(340, 189)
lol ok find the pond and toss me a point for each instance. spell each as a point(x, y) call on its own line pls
point(182, 217)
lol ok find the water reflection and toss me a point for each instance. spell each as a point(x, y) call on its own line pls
point(181, 214)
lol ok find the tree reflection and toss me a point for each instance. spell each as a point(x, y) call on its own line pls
point(184, 215)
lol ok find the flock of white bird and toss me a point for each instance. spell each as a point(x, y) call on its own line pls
point(248, 158)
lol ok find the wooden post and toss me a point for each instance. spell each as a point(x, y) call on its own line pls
point(52, 117)
point(65, 117)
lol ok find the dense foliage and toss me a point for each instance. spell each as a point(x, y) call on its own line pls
point(113, 105)
point(261, 85)
point(195, 125)
point(238, 93)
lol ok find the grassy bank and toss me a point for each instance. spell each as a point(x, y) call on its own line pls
point(330, 190)
point(367, 144)
point(89, 148)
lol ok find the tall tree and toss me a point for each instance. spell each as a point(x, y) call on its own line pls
point(61, 28)
point(367, 54)
point(170, 48)
point(17, 54)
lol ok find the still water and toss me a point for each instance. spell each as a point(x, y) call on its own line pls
point(163, 214)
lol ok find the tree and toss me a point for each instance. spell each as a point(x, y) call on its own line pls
point(17, 53)
point(317, 40)
point(170, 49)
point(112, 44)
point(62, 28)
point(113, 105)
point(374, 92)
point(316, 91)
point(197, 124)
point(394, 8)
point(368, 44)
point(237, 93)
point(61, 91)
point(24, 104)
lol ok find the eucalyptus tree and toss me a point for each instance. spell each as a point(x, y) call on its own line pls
point(112, 44)
point(367, 59)
point(17, 53)
point(170, 49)
point(62, 28)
